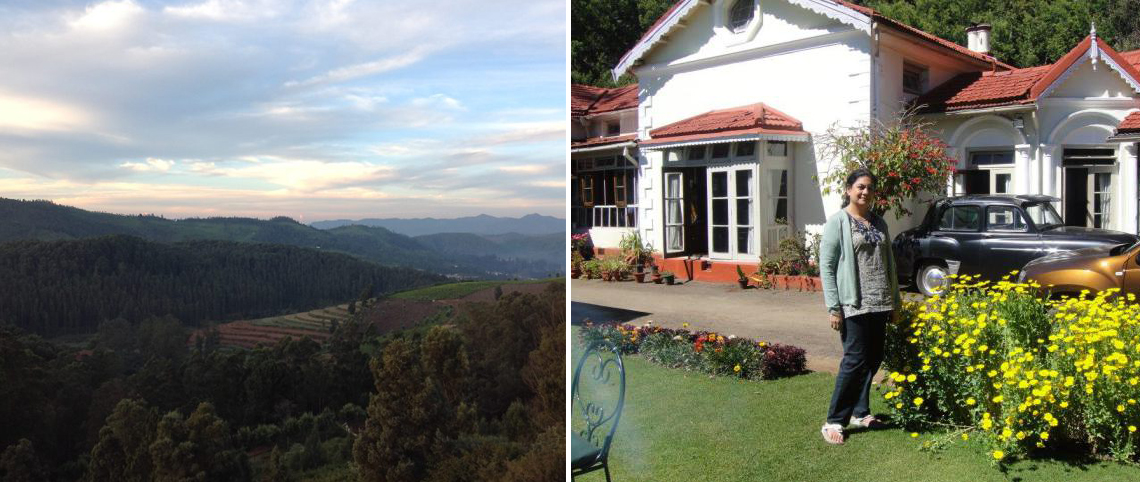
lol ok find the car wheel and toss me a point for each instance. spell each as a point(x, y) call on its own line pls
point(932, 279)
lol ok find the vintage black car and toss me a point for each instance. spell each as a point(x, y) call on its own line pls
point(988, 236)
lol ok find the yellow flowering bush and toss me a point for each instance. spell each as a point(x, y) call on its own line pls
point(1019, 370)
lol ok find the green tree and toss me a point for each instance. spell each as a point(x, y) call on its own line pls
point(19, 463)
point(199, 447)
point(123, 450)
point(602, 30)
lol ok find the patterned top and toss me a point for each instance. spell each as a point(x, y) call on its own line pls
point(871, 262)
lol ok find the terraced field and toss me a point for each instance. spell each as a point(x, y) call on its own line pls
point(268, 331)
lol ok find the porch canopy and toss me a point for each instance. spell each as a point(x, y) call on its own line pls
point(750, 122)
point(1128, 130)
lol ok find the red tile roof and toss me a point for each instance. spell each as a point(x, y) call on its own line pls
point(590, 100)
point(870, 12)
point(601, 141)
point(978, 90)
point(1132, 57)
point(1130, 124)
point(750, 119)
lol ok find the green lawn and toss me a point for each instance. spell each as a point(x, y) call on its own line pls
point(458, 290)
point(680, 425)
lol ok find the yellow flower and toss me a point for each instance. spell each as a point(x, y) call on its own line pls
point(1044, 435)
point(1131, 428)
point(965, 437)
point(1120, 408)
point(998, 399)
point(971, 401)
point(1064, 404)
point(736, 368)
point(998, 455)
point(914, 434)
point(911, 377)
point(917, 401)
point(685, 325)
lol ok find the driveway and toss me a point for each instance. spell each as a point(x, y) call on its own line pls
point(789, 317)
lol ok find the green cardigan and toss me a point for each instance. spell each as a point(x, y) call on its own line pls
point(837, 267)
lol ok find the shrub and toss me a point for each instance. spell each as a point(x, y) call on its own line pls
point(701, 351)
point(1021, 371)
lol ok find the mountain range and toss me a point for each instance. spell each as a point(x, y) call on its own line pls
point(482, 224)
point(502, 256)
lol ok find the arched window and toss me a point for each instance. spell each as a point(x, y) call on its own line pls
point(740, 14)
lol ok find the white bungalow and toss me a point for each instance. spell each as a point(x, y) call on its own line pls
point(733, 96)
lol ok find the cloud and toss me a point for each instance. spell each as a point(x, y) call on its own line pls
point(301, 174)
point(108, 16)
point(365, 69)
point(224, 10)
point(30, 114)
point(151, 164)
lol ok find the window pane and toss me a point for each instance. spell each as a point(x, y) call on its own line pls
point(1002, 182)
point(720, 212)
point(744, 212)
point(720, 151)
point(777, 148)
point(745, 149)
point(744, 240)
point(967, 218)
point(781, 210)
point(696, 153)
point(675, 242)
point(674, 211)
point(744, 183)
point(740, 14)
point(720, 239)
point(720, 184)
point(947, 220)
point(1004, 218)
point(780, 183)
point(674, 185)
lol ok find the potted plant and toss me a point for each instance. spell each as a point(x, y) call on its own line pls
point(741, 279)
point(656, 275)
point(668, 277)
point(575, 264)
point(592, 269)
point(639, 273)
point(635, 250)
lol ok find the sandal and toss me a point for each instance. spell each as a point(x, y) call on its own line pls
point(870, 421)
point(832, 433)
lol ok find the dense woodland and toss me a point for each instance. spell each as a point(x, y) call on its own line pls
point(508, 258)
point(1025, 33)
point(480, 397)
point(61, 287)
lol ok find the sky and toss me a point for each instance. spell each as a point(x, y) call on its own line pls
point(315, 110)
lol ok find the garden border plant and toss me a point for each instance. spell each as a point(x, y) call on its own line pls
point(701, 351)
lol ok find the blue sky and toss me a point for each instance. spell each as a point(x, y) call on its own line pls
point(310, 109)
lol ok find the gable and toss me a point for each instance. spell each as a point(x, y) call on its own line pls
point(705, 35)
point(1092, 80)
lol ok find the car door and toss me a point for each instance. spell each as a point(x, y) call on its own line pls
point(1132, 272)
point(1008, 242)
point(957, 238)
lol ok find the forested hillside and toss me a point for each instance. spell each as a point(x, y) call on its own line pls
point(1025, 33)
point(477, 396)
point(53, 287)
point(44, 220)
point(531, 224)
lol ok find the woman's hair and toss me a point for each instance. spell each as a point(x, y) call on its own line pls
point(854, 176)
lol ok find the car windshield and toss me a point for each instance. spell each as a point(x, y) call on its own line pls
point(1043, 215)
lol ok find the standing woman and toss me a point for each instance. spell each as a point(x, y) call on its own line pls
point(861, 292)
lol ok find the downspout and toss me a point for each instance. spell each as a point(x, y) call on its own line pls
point(874, 70)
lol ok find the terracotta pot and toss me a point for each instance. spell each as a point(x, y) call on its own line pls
point(657, 278)
point(816, 283)
point(640, 277)
point(575, 273)
point(743, 283)
point(779, 282)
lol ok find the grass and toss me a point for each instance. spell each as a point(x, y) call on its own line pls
point(680, 425)
point(452, 291)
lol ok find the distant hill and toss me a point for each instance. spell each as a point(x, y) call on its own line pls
point(481, 224)
point(55, 287)
point(47, 221)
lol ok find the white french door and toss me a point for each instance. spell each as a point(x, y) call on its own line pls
point(733, 211)
point(777, 217)
point(1100, 187)
point(674, 212)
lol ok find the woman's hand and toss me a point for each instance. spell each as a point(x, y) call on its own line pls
point(835, 320)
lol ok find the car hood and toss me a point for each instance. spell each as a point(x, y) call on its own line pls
point(1076, 257)
point(1117, 237)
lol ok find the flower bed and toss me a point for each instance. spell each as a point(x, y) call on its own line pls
point(996, 361)
point(701, 350)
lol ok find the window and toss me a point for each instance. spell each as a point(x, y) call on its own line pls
point(696, 153)
point(1002, 182)
point(604, 162)
point(1005, 219)
point(914, 78)
point(960, 218)
point(613, 128)
point(587, 191)
point(1089, 157)
point(989, 158)
point(777, 148)
point(1043, 214)
point(620, 193)
point(740, 14)
point(1102, 198)
point(720, 151)
point(745, 149)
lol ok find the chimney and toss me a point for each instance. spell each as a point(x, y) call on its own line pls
point(978, 38)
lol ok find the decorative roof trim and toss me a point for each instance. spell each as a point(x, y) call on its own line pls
point(666, 144)
point(603, 147)
point(1094, 51)
point(674, 18)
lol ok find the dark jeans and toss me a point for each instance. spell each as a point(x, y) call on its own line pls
point(863, 337)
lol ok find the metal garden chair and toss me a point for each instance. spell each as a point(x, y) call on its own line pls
point(605, 374)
